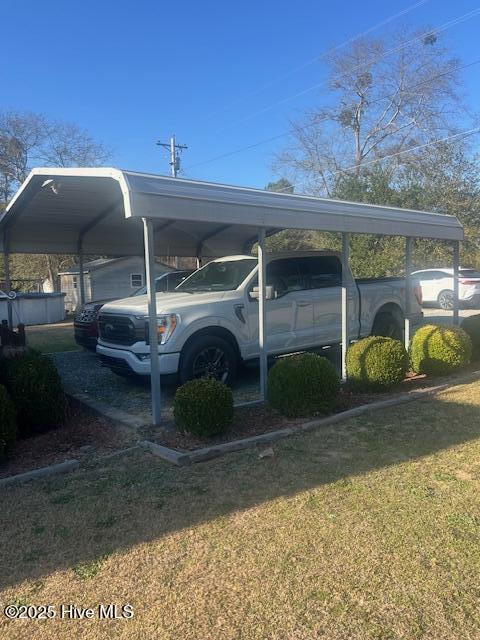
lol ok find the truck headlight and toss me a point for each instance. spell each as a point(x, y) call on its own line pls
point(165, 327)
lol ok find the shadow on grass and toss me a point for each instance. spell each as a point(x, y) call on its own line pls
point(76, 521)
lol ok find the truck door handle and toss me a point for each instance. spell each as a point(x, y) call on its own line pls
point(303, 304)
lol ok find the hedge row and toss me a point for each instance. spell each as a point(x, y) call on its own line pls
point(307, 384)
point(298, 385)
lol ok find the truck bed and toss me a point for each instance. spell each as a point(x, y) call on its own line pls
point(382, 279)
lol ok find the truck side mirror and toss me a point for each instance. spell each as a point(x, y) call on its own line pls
point(269, 293)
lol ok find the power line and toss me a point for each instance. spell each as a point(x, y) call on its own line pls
point(234, 152)
point(320, 56)
point(287, 133)
point(432, 32)
point(444, 27)
point(465, 134)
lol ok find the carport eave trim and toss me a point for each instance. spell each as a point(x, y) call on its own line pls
point(246, 191)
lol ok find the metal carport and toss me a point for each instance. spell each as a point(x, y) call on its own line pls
point(118, 213)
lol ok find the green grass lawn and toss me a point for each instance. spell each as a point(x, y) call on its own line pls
point(366, 529)
point(51, 338)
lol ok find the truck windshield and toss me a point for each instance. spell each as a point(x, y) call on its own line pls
point(218, 276)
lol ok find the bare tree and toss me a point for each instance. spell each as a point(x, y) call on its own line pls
point(21, 134)
point(384, 97)
point(29, 139)
point(67, 145)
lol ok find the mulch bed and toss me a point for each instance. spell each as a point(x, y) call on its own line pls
point(251, 421)
point(84, 436)
point(259, 419)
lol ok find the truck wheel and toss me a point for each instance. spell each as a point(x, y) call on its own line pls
point(445, 300)
point(209, 357)
point(387, 325)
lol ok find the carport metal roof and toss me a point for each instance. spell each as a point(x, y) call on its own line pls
point(114, 212)
point(56, 210)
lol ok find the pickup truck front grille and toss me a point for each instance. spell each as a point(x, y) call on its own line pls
point(86, 315)
point(119, 329)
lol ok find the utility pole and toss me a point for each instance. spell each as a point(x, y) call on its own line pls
point(172, 146)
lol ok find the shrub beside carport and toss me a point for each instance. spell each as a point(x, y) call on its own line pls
point(203, 407)
point(437, 350)
point(376, 363)
point(471, 326)
point(35, 387)
point(303, 385)
point(8, 422)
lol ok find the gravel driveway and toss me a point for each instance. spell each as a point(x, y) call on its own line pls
point(81, 372)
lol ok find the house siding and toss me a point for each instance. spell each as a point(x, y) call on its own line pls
point(106, 282)
point(72, 294)
point(114, 281)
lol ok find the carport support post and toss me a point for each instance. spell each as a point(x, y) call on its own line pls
point(81, 277)
point(8, 281)
point(262, 316)
point(456, 270)
point(408, 290)
point(148, 239)
point(345, 258)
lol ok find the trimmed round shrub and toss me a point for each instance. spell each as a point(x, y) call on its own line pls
point(8, 422)
point(376, 363)
point(471, 326)
point(303, 385)
point(437, 350)
point(203, 407)
point(36, 390)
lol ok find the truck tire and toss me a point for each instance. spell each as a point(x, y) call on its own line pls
point(208, 357)
point(445, 299)
point(387, 325)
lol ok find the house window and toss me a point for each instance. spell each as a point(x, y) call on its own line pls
point(75, 282)
point(136, 280)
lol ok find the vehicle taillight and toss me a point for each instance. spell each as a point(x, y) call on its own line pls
point(417, 290)
point(462, 281)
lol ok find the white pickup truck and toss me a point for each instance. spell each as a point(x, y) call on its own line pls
point(209, 324)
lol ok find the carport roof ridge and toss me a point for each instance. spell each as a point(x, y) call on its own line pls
point(58, 209)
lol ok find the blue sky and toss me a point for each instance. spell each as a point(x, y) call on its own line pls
point(134, 72)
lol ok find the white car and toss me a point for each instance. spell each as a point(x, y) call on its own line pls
point(209, 324)
point(437, 287)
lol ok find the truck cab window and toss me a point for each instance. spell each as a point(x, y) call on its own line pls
point(219, 275)
point(284, 276)
point(319, 272)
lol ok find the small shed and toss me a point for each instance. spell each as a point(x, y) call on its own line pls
point(106, 278)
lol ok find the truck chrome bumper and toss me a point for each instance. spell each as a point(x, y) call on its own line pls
point(120, 359)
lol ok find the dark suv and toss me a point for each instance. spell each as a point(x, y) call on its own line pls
point(86, 316)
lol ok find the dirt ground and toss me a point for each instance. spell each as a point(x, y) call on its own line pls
point(84, 436)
